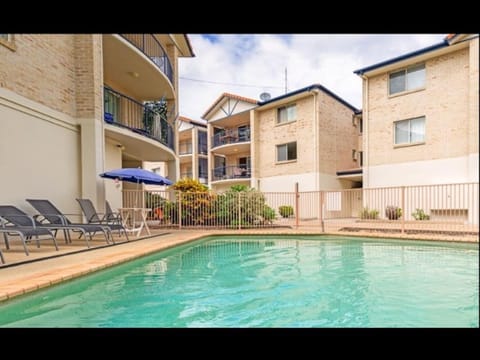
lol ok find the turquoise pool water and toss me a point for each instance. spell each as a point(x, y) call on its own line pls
point(269, 282)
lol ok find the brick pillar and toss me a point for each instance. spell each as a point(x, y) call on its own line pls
point(89, 110)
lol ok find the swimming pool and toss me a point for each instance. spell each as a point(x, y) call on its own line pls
point(269, 281)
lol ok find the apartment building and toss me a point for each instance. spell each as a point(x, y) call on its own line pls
point(307, 137)
point(420, 116)
point(193, 149)
point(73, 106)
point(229, 145)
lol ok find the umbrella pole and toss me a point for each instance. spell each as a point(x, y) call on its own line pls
point(136, 195)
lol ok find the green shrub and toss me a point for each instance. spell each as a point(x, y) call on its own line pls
point(268, 214)
point(393, 212)
point(244, 202)
point(285, 211)
point(419, 214)
point(365, 213)
point(195, 200)
point(239, 188)
point(189, 185)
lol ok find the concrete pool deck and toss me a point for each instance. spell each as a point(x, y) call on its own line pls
point(18, 277)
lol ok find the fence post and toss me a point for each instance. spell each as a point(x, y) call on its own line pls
point(179, 202)
point(403, 209)
point(297, 196)
point(239, 211)
point(321, 211)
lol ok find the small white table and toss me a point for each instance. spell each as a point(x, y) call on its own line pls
point(130, 221)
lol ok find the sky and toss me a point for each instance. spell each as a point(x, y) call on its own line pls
point(259, 61)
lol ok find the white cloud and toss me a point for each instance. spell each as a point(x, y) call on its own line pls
point(328, 59)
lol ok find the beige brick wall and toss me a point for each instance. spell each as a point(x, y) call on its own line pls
point(42, 68)
point(270, 134)
point(336, 138)
point(62, 72)
point(444, 103)
point(89, 76)
point(473, 96)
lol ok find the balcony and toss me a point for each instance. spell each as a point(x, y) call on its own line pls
point(138, 64)
point(231, 172)
point(141, 119)
point(150, 46)
point(185, 148)
point(231, 136)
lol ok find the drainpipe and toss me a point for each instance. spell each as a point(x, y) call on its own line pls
point(366, 151)
point(316, 170)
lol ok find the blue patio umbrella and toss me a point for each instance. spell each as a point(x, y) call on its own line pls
point(136, 175)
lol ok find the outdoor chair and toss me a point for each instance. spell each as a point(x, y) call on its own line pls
point(111, 216)
point(49, 212)
point(93, 217)
point(16, 222)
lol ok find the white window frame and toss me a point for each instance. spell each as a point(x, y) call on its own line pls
point(286, 107)
point(405, 72)
point(277, 147)
point(410, 142)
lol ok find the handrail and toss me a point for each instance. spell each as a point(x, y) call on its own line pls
point(231, 136)
point(231, 172)
point(126, 112)
point(150, 46)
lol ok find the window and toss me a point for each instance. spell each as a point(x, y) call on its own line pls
point(219, 170)
point(354, 155)
point(111, 106)
point(157, 170)
point(360, 156)
point(202, 142)
point(202, 168)
point(360, 125)
point(410, 78)
point(287, 152)
point(286, 114)
point(244, 133)
point(410, 131)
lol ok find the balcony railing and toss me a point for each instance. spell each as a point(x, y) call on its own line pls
point(123, 111)
point(150, 46)
point(231, 172)
point(185, 148)
point(231, 136)
point(187, 174)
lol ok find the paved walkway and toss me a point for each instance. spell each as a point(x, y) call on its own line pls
point(18, 277)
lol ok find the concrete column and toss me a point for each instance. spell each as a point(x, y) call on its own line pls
point(253, 158)
point(173, 169)
point(473, 111)
point(194, 134)
point(210, 153)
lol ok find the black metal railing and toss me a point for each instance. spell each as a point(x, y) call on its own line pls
point(231, 136)
point(231, 172)
point(184, 148)
point(126, 112)
point(150, 46)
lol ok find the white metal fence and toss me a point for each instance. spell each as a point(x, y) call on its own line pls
point(428, 208)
